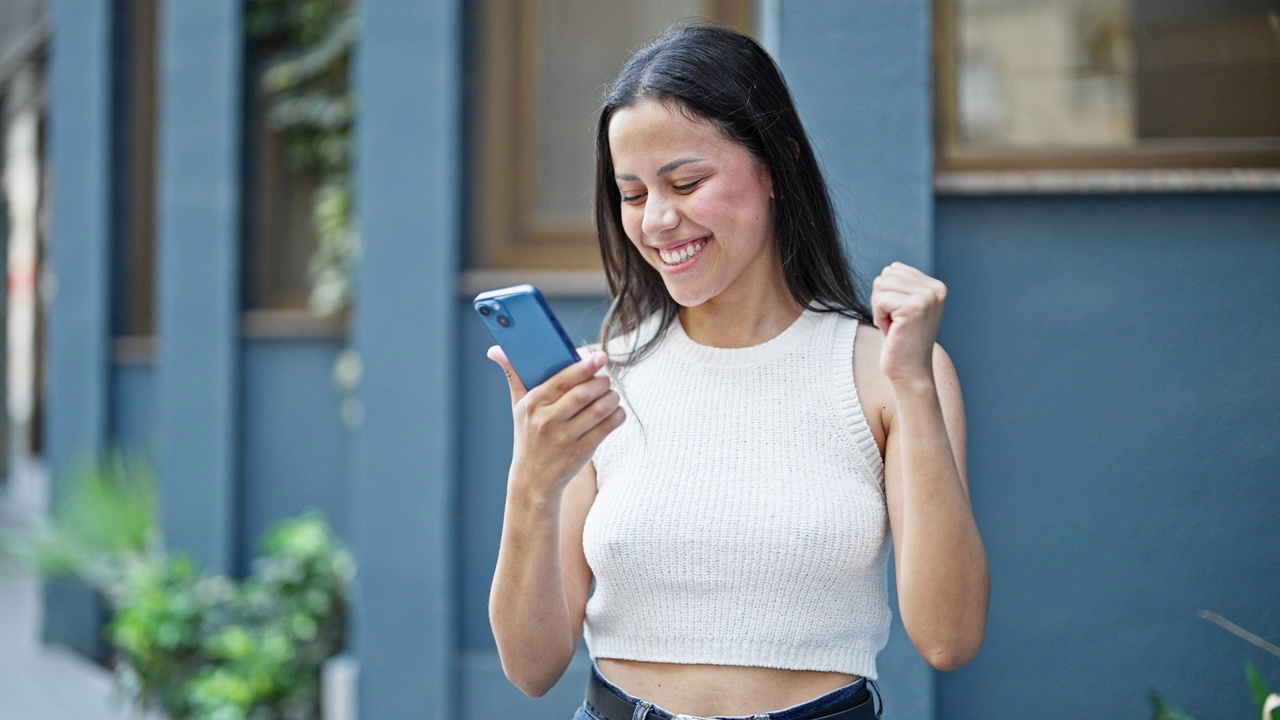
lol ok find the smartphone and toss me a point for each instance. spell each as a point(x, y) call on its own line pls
point(522, 323)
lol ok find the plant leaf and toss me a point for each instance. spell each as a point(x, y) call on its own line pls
point(1166, 710)
point(1259, 686)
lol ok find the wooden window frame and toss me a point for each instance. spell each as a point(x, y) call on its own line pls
point(506, 233)
point(953, 157)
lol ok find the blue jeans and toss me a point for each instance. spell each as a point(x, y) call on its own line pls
point(816, 707)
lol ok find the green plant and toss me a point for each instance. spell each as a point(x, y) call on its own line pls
point(1267, 701)
point(197, 645)
point(305, 83)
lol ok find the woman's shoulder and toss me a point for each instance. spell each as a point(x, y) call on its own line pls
point(874, 391)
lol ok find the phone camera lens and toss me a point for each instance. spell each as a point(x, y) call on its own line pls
point(504, 321)
point(485, 311)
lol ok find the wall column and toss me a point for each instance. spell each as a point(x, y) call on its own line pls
point(404, 467)
point(861, 74)
point(202, 48)
point(80, 257)
point(872, 131)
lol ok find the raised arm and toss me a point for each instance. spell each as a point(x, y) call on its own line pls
point(944, 584)
point(542, 580)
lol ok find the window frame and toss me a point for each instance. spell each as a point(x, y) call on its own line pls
point(952, 157)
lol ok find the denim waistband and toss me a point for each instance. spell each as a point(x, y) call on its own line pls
point(806, 709)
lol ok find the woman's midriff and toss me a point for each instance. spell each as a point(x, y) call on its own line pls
point(708, 690)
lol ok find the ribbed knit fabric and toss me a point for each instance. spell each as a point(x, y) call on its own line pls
point(740, 515)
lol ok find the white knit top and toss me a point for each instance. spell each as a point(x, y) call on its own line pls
point(740, 515)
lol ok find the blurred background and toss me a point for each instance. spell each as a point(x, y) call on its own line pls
point(242, 237)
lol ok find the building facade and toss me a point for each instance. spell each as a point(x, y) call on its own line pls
point(1115, 325)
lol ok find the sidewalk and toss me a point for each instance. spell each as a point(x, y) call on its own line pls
point(37, 682)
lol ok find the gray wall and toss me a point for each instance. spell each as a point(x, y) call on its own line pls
point(1118, 356)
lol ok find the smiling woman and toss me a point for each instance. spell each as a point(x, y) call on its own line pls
point(710, 501)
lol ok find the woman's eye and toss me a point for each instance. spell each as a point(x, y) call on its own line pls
point(632, 199)
point(687, 186)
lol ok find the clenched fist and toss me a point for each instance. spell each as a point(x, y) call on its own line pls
point(907, 306)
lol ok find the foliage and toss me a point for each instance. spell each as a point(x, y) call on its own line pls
point(196, 645)
point(1268, 702)
point(104, 530)
point(305, 82)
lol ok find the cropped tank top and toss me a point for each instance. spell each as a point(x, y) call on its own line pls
point(740, 515)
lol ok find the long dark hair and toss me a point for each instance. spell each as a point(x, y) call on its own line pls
point(718, 75)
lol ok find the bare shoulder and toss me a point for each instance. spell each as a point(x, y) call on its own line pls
point(874, 391)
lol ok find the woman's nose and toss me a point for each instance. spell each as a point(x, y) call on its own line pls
point(660, 215)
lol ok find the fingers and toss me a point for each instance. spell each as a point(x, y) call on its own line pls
point(570, 377)
point(904, 278)
point(518, 390)
point(593, 437)
point(572, 402)
point(902, 292)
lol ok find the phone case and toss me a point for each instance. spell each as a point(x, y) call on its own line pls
point(522, 323)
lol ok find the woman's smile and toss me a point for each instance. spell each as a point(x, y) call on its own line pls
point(680, 257)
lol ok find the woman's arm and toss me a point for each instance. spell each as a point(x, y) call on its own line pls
point(943, 580)
point(541, 582)
point(540, 587)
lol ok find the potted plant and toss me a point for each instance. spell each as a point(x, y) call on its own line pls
point(187, 643)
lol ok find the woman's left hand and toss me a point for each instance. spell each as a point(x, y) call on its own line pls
point(907, 306)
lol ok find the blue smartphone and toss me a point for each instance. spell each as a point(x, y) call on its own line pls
point(522, 323)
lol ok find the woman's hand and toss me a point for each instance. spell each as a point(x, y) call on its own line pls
point(907, 306)
point(560, 423)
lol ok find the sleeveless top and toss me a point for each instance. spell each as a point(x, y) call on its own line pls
point(740, 512)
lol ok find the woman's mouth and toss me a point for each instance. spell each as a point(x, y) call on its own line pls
point(679, 255)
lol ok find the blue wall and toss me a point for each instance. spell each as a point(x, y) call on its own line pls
point(198, 286)
point(1119, 360)
point(294, 445)
point(78, 411)
point(403, 464)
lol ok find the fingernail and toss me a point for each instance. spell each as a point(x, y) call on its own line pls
point(598, 359)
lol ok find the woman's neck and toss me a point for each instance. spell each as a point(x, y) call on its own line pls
point(739, 322)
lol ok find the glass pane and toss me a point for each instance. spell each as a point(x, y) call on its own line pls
point(581, 45)
point(1049, 74)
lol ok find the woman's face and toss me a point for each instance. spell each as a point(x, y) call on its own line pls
point(695, 204)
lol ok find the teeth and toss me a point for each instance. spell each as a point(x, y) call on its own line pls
point(684, 253)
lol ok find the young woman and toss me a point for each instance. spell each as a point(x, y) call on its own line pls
point(730, 474)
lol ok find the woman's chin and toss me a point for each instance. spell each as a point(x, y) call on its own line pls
point(685, 296)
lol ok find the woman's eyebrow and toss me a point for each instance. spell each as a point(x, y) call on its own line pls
point(662, 170)
point(677, 163)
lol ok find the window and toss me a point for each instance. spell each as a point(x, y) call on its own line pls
point(133, 313)
point(544, 65)
point(300, 106)
point(1110, 84)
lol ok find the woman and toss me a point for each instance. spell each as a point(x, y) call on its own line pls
point(736, 525)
